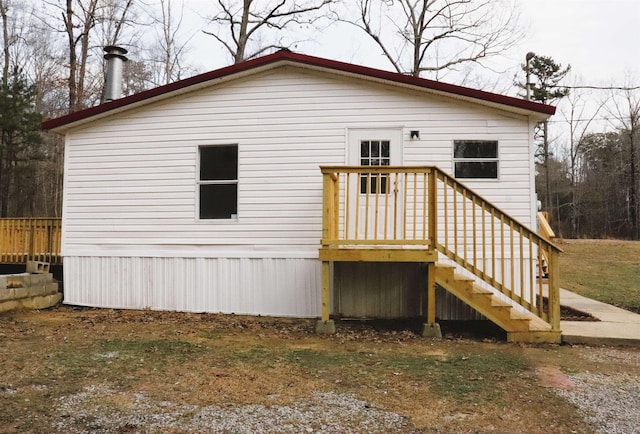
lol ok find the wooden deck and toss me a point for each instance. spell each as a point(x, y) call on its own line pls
point(473, 249)
point(23, 239)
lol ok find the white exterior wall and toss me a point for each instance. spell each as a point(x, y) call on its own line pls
point(131, 234)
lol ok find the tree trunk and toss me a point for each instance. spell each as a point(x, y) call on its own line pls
point(242, 37)
point(5, 37)
point(633, 207)
point(73, 87)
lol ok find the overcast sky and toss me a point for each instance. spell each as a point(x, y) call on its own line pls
point(600, 39)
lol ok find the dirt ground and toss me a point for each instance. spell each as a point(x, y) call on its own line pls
point(59, 364)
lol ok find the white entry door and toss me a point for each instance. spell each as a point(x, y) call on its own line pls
point(375, 214)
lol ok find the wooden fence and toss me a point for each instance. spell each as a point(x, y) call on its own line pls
point(23, 239)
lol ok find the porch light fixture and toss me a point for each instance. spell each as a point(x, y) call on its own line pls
point(415, 134)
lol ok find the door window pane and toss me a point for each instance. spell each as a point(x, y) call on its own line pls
point(374, 153)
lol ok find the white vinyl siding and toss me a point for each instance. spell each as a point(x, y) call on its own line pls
point(131, 233)
point(129, 178)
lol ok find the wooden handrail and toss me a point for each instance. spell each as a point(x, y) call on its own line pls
point(423, 207)
point(23, 239)
point(524, 249)
point(544, 226)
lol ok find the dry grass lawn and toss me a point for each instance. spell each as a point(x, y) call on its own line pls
point(70, 370)
point(445, 386)
point(605, 270)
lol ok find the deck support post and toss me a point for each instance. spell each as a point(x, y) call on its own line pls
point(431, 328)
point(554, 290)
point(324, 324)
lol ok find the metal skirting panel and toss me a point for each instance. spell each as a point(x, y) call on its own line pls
point(379, 289)
point(257, 286)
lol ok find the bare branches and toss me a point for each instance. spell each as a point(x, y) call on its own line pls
point(427, 36)
point(166, 55)
point(242, 29)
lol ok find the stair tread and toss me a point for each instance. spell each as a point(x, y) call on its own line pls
point(521, 315)
point(538, 324)
point(489, 303)
point(461, 278)
point(480, 290)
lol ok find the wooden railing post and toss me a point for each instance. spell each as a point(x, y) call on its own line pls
point(433, 210)
point(335, 178)
point(330, 204)
point(328, 223)
point(30, 226)
point(554, 289)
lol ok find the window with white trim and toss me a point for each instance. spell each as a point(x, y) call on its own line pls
point(218, 182)
point(476, 159)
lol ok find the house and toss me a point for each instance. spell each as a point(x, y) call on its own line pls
point(292, 185)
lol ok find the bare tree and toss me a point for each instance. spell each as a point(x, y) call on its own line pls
point(625, 111)
point(580, 117)
point(116, 16)
point(241, 27)
point(169, 47)
point(79, 17)
point(89, 25)
point(6, 41)
point(428, 36)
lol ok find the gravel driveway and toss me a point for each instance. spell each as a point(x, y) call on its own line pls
point(322, 413)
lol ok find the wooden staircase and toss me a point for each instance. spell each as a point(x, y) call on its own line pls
point(520, 325)
point(472, 248)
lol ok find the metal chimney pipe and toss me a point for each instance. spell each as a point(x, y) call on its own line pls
point(115, 63)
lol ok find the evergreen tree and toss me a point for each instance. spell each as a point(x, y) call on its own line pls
point(545, 88)
point(20, 135)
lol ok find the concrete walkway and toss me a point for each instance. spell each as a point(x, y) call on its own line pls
point(616, 326)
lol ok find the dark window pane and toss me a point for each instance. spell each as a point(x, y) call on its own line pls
point(375, 148)
point(218, 163)
point(363, 183)
point(475, 149)
point(218, 201)
point(364, 162)
point(384, 152)
point(374, 184)
point(374, 180)
point(383, 184)
point(375, 162)
point(364, 148)
point(476, 169)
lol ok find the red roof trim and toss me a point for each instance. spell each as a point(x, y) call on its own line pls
point(308, 60)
